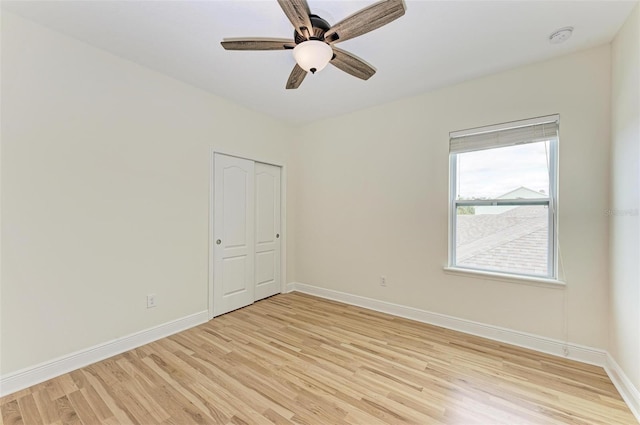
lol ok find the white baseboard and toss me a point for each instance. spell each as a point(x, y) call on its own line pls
point(44, 371)
point(577, 352)
point(625, 387)
point(509, 336)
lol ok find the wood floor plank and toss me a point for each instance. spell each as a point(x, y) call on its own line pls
point(298, 359)
point(53, 389)
point(66, 412)
point(29, 410)
point(83, 408)
point(107, 393)
point(98, 406)
point(46, 407)
point(15, 396)
point(11, 413)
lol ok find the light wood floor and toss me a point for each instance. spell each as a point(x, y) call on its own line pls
point(298, 359)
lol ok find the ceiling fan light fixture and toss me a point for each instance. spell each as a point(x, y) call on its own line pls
point(312, 55)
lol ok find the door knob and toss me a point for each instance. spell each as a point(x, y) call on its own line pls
point(277, 235)
point(218, 242)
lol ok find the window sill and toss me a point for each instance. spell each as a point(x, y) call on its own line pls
point(503, 277)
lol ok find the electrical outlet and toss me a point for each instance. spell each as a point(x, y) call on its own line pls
point(151, 300)
point(383, 281)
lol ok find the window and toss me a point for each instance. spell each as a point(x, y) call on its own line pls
point(503, 198)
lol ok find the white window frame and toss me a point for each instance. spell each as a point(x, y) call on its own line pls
point(551, 201)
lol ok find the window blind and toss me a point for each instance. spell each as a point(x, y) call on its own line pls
point(537, 130)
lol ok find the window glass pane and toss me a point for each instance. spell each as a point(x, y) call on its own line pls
point(511, 239)
point(512, 172)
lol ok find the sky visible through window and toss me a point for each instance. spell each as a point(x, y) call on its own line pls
point(493, 172)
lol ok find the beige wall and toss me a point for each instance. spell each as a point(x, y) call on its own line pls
point(105, 192)
point(372, 191)
point(624, 316)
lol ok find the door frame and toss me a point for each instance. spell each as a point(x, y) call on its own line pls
point(283, 218)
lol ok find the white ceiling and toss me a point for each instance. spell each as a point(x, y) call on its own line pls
point(435, 44)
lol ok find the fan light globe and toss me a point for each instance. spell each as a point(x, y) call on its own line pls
point(312, 55)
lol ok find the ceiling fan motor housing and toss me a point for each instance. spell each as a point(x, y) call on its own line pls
point(320, 26)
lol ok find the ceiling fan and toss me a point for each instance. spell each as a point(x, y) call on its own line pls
point(314, 39)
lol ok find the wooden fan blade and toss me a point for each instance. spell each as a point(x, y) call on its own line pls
point(258, 44)
point(352, 64)
point(296, 77)
point(298, 13)
point(367, 19)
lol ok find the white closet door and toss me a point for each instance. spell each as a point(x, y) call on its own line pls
point(267, 248)
point(234, 233)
